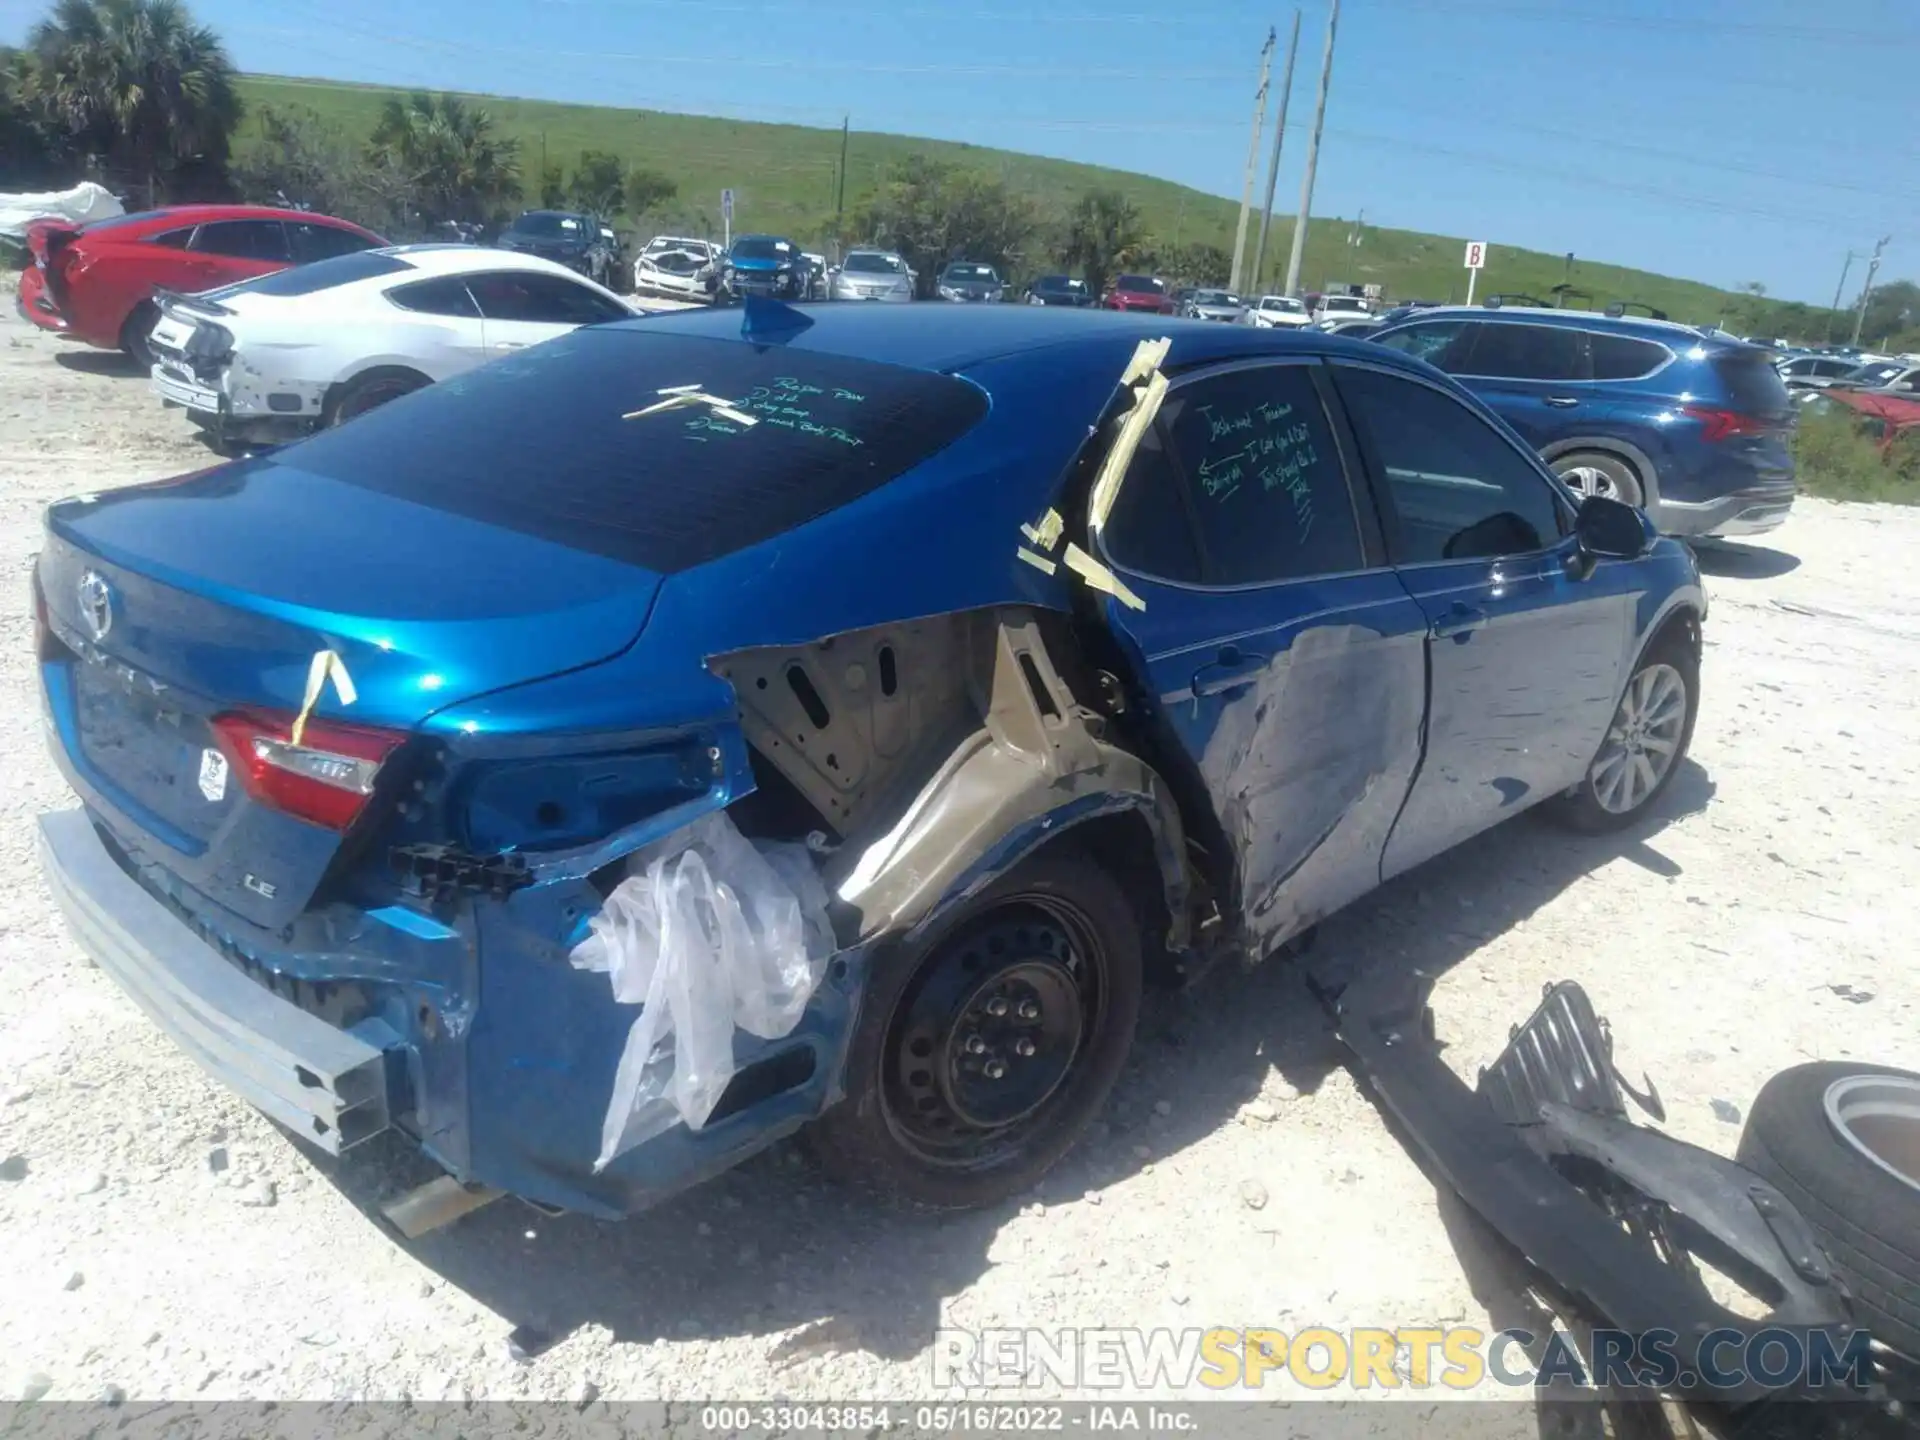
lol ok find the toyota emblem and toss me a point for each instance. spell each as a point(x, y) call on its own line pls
point(96, 604)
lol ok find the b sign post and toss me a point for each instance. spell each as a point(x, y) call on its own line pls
point(726, 217)
point(1476, 261)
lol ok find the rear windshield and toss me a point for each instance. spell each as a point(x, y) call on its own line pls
point(571, 441)
point(320, 275)
point(1752, 384)
point(761, 247)
point(1140, 285)
point(544, 224)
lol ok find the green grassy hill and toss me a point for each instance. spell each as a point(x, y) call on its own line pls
point(783, 177)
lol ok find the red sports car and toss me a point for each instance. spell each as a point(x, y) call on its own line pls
point(96, 282)
point(1139, 292)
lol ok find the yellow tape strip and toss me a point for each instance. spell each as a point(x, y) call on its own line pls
point(1145, 406)
point(1039, 562)
point(1148, 357)
point(1101, 578)
point(325, 665)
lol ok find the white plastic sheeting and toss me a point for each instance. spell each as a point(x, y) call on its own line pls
point(83, 203)
point(709, 932)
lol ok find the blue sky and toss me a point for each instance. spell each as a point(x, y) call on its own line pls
point(1722, 140)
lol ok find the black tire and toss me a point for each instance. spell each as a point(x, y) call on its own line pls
point(1616, 478)
point(370, 391)
point(1867, 1218)
point(136, 331)
point(1583, 809)
point(900, 1135)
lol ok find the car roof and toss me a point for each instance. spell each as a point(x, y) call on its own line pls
point(169, 216)
point(958, 337)
point(466, 259)
point(563, 214)
point(1636, 327)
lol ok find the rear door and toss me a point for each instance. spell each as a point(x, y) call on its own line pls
point(1535, 376)
point(1525, 662)
point(519, 308)
point(457, 329)
point(224, 251)
point(1276, 654)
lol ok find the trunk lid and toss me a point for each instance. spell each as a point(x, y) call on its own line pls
point(210, 595)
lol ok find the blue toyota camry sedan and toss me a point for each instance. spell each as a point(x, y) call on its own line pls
point(707, 726)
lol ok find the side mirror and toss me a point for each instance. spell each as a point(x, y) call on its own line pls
point(1609, 529)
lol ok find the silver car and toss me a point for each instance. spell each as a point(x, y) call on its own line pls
point(871, 275)
point(1215, 305)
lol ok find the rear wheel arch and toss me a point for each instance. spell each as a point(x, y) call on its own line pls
point(372, 375)
point(1642, 464)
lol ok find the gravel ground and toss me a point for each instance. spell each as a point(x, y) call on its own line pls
point(162, 1238)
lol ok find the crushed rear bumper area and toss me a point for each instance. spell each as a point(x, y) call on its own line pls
point(329, 1086)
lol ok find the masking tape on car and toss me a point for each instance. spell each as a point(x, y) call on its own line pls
point(324, 665)
point(1148, 357)
point(1047, 533)
point(1100, 577)
point(1146, 405)
point(1039, 562)
point(679, 396)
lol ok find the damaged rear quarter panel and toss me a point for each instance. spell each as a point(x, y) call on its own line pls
point(990, 774)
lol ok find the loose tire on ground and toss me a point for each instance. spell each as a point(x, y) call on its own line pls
point(1866, 1216)
point(915, 1125)
point(1596, 805)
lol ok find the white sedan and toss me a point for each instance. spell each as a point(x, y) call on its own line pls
point(681, 268)
point(1277, 312)
point(279, 356)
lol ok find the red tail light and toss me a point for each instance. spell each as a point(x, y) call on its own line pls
point(326, 778)
point(1724, 424)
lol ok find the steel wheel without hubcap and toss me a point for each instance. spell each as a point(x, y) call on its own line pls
point(990, 1032)
point(1642, 741)
point(1879, 1117)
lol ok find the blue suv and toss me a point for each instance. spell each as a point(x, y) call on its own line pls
point(1694, 428)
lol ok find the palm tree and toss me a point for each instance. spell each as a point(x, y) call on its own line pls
point(1103, 230)
point(459, 168)
point(138, 84)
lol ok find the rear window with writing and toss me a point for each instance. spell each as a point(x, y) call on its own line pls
point(659, 449)
point(1269, 493)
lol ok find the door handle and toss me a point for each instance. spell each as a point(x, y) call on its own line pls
point(1563, 402)
point(1231, 670)
point(510, 345)
point(1459, 623)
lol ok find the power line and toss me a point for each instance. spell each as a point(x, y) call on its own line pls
point(1159, 17)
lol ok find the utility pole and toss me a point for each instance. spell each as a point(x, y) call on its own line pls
point(840, 198)
point(1866, 290)
point(1313, 158)
point(1273, 163)
point(1833, 311)
point(1253, 158)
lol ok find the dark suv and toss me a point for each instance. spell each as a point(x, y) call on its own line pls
point(1692, 427)
point(580, 242)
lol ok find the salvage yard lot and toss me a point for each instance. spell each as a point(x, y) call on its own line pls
point(163, 1238)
